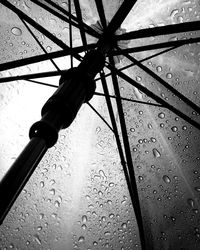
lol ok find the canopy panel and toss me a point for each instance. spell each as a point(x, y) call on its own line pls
point(78, 197)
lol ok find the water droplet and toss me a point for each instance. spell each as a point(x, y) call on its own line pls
point(26, 7)
point(138, 78)
point(65, 4)
point(84, 218)
point(16, 31)
point(100, 193)
point(174, 129)
point(156, 153)
point(166, 179)
point(102, 174)
point(42, 183)
point(98, 129)
point(161, 115)
point(95, 243)
point(190, 202)
point(173, 218)
point(132, 129)
point(184, 127)
point(159, 69)
point(54, 215)
point(41, 216)
point(111, 216)
point(84, 226)
point(169, 75)
point(109, 202)
point(107, 233)
point(49, 49)
point(124, 225)
point(197, 189)
point(140, 178)
point(81, 239)
point(111, 184)
point(173, 13)
point(57, 204)
point(52, 181)
point(153, 139)
point(37, 239)
point(52, 191)
point(39, 228)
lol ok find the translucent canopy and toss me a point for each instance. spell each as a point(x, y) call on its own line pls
point(78, 197)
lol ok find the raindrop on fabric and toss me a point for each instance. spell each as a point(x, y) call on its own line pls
point(16, 31)
point(166, 179)
point(161, 115)
point(156, 153)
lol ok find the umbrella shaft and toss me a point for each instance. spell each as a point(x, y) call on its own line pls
point(15, 179)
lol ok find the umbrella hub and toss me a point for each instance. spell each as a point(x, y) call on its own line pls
point(110, 41)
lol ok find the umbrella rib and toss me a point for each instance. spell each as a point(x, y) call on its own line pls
point(87, 28)
point(40, 45)
point(156, 46)
point(162, 30)
point(136, 201)
point(80, 20)
point(142, 60)
point(129, 100)
point(101, 12)
point(40, 28)
point(39, 58)
point(165, 84)
point(31, 76)
point(119, 145)
point(90, 105)
point(115, 130)
point(120, 16)
point(42, 83)
point(70, 34)
point(154, 96)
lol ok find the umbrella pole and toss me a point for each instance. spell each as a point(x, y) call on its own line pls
point(76, 87)
point(19, 173)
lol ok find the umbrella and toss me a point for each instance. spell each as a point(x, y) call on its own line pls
point(124, 175)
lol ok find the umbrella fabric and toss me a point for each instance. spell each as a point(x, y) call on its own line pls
point(78, 198)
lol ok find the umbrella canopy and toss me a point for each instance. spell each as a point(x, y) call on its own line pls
point(79, 196)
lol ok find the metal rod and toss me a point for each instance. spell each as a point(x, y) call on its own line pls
point(100, 116)
point(40, 58)
point(175, 44)
point(42, 83)
point(16, 178)
point(100, 8)
point(129, 100)
point(80, 20)
point(135, 197)
point(31, 76)
point(162, 30)
point(70, 35)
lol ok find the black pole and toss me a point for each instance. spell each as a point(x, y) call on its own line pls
point(77, 86)
point(19, 173)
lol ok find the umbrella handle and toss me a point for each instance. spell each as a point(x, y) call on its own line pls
point(76, 87)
